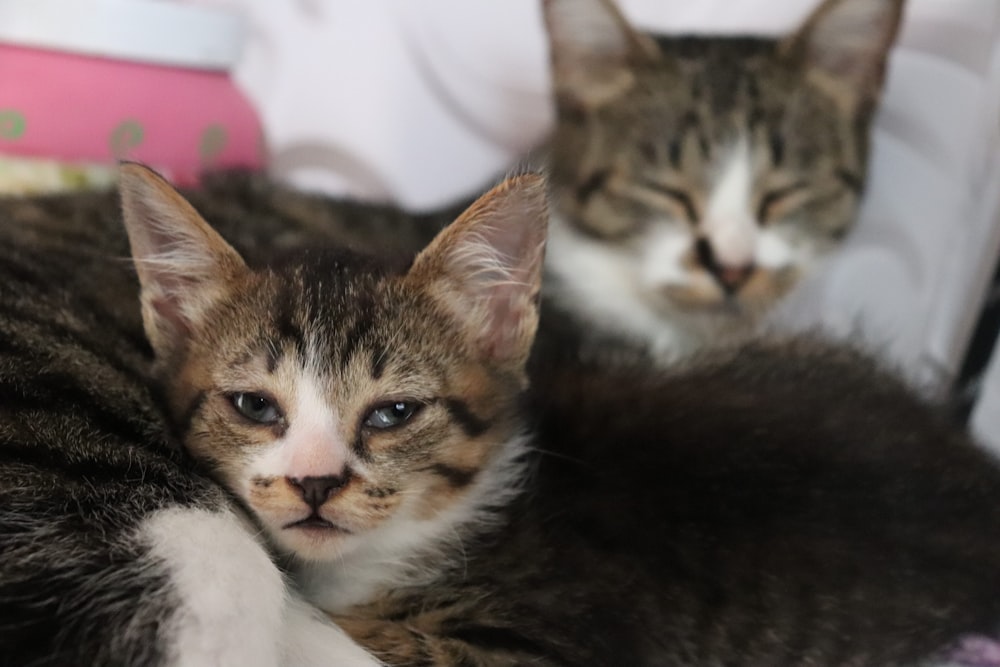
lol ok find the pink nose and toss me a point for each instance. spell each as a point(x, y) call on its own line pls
point(732, 278)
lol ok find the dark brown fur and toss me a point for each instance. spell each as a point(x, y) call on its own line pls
point(788, 505)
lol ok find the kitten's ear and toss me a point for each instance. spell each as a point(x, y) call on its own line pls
point(486, 268)
point(183, 264)
point(593, 51)
point(847, 43)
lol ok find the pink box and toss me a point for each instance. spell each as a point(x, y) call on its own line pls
point(72, 101)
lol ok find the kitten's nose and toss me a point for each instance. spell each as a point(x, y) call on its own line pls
point(317, 490)
point(730, 278)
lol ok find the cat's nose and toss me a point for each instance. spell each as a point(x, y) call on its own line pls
point(731, 277)
point(317, 490)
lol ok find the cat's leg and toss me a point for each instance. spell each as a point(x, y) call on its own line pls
point(229, 594)
point(233, 604)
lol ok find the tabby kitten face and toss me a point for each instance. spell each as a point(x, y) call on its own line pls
point(346, 404)
point(698, 179)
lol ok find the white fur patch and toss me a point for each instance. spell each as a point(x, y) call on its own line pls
point(773, 250)
point(235, 609)
point(406, 550)
point(606, 284)
point(663, 250)
point(231, 594)
point(313, 442)
point(312, 446)
point(729, 224)
point(312, 640)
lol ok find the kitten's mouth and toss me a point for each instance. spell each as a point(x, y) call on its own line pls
point(316, 522)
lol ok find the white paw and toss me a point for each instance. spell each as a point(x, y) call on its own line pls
point(231, 596)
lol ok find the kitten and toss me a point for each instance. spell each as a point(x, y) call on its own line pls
point(114, 550)
point(696, 180)
point(787, 504)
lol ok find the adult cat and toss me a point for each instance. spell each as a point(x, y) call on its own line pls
point(789, 504)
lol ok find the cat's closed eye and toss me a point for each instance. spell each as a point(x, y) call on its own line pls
point(391, 415)
point(678, 196)
point(776, 199)
point(255, 407)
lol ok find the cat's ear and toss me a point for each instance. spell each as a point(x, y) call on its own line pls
point(593, 50)
point(184, 266)
point(847, 43)
point(486, 268)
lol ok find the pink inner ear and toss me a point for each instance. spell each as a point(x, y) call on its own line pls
point(168, 311)
point(501, 286)
point(507, 311)
point(853, 38)
point(486, 266)
point(848, 64)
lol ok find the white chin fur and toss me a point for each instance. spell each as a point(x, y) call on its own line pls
point(313, 545)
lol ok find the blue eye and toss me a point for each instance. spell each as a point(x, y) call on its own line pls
point(391, 415)
point(255, 407)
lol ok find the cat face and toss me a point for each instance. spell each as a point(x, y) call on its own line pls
point(345, 403)
point(710, 173)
